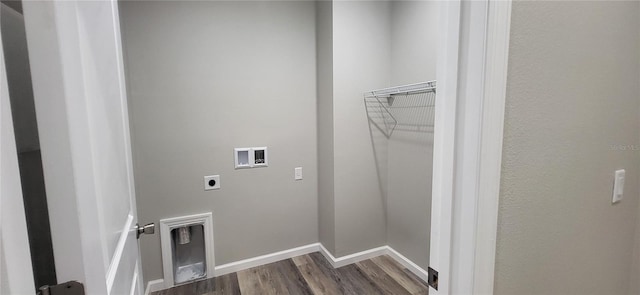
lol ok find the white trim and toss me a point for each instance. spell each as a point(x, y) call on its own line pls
point(463, 244)
point(408, 264)
point(166, 225)
point(154, 286)
point(468, 135)
point(444, 145)
point(265, 259)
point(352, 258)
point(495, 84)
point(327, 255)
point(117, 253)
point(371, 253)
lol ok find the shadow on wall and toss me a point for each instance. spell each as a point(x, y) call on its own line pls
point(413, 113)
point(401, 130)
point(406, 112)
point(381, 125)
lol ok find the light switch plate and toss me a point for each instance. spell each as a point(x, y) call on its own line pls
point(618, 186)
point(211, 182)
point(298, 173)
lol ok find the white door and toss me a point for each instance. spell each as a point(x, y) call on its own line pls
point(81, 106)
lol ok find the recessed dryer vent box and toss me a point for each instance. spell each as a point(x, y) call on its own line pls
point(187, 249)
point(251, 157)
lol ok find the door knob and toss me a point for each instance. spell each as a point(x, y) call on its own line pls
point(148, 229)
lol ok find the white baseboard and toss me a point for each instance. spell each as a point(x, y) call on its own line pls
point(157, 285)
point(412, 267)
point(352, 258)
point(371, 253)
point(153, 286)
point(265, 259)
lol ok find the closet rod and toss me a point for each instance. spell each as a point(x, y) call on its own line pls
point(404, 89)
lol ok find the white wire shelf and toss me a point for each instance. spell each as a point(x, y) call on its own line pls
point(429, 86)
point(407, 107)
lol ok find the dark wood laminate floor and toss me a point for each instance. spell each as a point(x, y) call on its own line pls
point(311, 274)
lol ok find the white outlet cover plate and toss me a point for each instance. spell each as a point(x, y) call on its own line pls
point(215, 178)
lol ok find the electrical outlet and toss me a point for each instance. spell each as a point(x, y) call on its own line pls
point(211, 182)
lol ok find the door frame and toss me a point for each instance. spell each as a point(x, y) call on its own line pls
point(467, 162)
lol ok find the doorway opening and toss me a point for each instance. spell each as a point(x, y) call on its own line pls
point(14, 45)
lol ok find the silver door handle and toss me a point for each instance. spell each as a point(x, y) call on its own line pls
point(148, 229)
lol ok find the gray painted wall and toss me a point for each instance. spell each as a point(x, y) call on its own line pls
point(324, 47)
point(414, 28)
point(314, 58)
point(361, 62)
point(381, 192)
point(205, 77)
point(572, 96)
